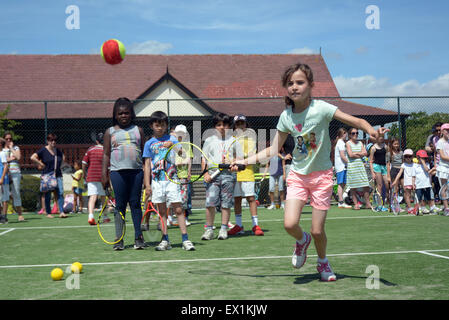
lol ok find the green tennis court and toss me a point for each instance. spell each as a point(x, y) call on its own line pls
point(374, 255)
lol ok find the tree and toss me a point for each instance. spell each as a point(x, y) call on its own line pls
point(418, 126)
point(8, 124)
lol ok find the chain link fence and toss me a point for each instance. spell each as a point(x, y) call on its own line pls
point(75, 122)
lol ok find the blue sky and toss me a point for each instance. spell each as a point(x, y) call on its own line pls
point(407, 55)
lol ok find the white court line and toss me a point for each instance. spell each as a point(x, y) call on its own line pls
point(433, 255)
point(7, 230)
point(268, 220)
point(212, 259)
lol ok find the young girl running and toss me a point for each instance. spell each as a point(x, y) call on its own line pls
point(311, 173)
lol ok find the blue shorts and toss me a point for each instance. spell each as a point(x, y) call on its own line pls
point(341, 177)
point(78, 191)
point(379, 168)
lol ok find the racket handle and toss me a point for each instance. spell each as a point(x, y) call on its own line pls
point(213, 175)
point(227, 166)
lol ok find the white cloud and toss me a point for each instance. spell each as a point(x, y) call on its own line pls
point(371, 86)
point(305, 50)
point(148, 47)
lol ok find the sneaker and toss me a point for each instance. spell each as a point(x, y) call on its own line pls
point(326, 272)
point(425, 211)
point(164, 245)
point(213, 227)
point(188, 223)
point(3, 219)
point(257, 231)
point(208, 235)
point(411, 211)
point(236, 230)
point(119, 246)
point(223, 234)
point(344, 205)
point(300, 253)
point(188, 245)
point(446, 212)
point(139, 243)
point(92, 222)
point(42, 211)
point(271, 207)
point(383, 209)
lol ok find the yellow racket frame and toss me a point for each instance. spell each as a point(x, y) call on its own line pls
point(98, 223)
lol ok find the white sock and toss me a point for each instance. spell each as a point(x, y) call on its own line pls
point(255, 220)
point(322, 260)
point(303, 239)
point(238, 219)
point(91, 215)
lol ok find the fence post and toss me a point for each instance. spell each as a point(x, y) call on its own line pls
point(168, 114)
point(45, 122)
point(399, 123)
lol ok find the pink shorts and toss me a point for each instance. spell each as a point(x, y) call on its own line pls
point(317, 185)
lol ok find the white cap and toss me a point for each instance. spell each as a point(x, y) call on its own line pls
point(180, 128)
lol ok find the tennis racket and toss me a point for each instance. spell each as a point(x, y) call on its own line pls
point(376, 199)
point(152, 225)
point(416, 201)
point(444, 192)
point(395, 203)
point(111, 228)
point(182, 150)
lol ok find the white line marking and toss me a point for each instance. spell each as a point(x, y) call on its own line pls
point(269, 220)
point(214, 259)
point(433, 255)
point(7, 230)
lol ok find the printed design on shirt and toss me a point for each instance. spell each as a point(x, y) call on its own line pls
point(305, 146)
point(159, 150)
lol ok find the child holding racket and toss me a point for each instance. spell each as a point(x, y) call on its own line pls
point(122, 165)
point(245, 184)
point(219, 190)
point(409, 171)
point(157, 186)
point(310, 174)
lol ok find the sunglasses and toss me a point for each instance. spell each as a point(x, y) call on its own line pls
point(353, 133)
point(408, 156)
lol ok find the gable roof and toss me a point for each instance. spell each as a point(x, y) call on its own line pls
point(88, 77)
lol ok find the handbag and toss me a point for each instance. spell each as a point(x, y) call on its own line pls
point(48, 180)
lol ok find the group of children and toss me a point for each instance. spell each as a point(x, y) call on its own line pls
point(129, 162)
point(393, 169)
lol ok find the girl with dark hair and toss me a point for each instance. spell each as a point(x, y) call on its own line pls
point(122, 164)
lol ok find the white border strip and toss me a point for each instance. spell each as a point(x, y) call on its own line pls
point(433, 255)
point(268, 220)
point(7, 230)
point(217, 259)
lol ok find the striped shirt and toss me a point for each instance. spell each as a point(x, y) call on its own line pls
point(93, 159)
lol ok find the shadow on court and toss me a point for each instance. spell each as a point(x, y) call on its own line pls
point(299, 279)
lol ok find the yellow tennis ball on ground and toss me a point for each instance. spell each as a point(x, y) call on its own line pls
point(76, 267)
point(57, 274)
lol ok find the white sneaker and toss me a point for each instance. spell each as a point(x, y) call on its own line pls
point(164, 245)
point(271, 207)
point(223, 234)
point(208, 235)
point(188, 245)
point(188, 223)
point(425, 210)
point(300, 254)
point(344, 206)
point(325, 271)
